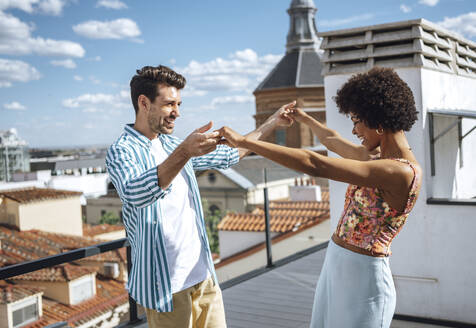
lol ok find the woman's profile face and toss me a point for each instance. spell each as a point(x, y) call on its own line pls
point(368, 137)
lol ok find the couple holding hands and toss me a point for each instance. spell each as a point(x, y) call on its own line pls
point(172, 273)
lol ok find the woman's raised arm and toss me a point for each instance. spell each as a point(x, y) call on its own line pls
point(330, 138)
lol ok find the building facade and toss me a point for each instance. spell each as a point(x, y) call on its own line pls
point(432, 263)
point(14, 155)
point(296, 77)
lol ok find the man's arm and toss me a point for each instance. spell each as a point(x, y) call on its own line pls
point(196, 144)
point(141, 188)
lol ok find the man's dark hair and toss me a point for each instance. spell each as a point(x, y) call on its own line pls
point(380, 98)
point(147, 79)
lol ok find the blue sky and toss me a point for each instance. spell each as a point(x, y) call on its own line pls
point(65, 65)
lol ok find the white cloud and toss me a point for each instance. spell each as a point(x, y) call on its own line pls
point(66, 63)
point(15, 105)
point(97, 58)
point(98, 102)
point(243, 70)
point(464, 24)
point(77, 78)
point(430, 3)
point(121, 28)
point(237, 99)
point(16, 71)
point(25, 5)
point(345, 21)
point(111, 4)
point(405, 8)
point(16, 39)
point(50, 7)
point(94, 80)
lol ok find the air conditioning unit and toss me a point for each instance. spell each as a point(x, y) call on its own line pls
point(111, 270)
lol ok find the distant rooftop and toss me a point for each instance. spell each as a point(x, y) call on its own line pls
point(65, 272)
point(413, 43)
point(37, 194)
point(251, 167)
point(19, 246)
point(284, 216)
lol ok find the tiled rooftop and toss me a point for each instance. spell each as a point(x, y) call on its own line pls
point(94, 230)
point(278, 223)
point(110, 294)
point(19, 246)
point(284, 216)
point(65, 272)
point(28, 195)
point(11, 293)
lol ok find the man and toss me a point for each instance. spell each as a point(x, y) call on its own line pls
point(172, 273)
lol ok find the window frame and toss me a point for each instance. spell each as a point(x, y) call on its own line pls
point(22, 305)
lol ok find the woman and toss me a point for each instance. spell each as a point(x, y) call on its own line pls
point(355, 288)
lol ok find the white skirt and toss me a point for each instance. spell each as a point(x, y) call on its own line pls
point(353, 290)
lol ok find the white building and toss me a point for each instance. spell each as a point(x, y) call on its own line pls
point(433, 259)
point(14, 155)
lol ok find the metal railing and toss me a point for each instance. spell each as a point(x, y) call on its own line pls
point(70, 256)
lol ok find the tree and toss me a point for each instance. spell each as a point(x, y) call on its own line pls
point(212, 217)
point(110, 218)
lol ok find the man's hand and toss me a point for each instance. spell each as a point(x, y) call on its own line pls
point(297, 114)
point(230, 137)
point(281, 116)
point(200, 143)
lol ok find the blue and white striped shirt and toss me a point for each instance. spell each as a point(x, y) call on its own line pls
point(133, 171)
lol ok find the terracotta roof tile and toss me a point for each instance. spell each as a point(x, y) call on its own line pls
point(64, 272)
point(278, 223)
point(36, 194)
point(11, 293)
point(284, 216)
point(93, 230)
point(19, 246)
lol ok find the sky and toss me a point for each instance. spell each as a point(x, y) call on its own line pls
point(65, 65)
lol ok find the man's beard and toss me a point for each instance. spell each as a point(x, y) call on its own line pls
point(156, 127)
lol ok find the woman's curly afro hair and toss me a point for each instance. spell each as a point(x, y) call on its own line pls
point(380, 98)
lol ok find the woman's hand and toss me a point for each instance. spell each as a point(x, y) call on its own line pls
point(281, 116)
point(297, 114)
point(230, 137)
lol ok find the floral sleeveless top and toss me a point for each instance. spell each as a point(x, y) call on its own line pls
point(368, 222)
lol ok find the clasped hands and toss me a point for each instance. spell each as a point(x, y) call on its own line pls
point(201, 142)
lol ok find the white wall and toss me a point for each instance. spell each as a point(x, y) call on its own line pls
point(433, 259)
point(300, 241)
point(91, 185)
point(451, 92)
point(232, 242)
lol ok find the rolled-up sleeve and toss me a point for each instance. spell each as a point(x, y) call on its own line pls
point(221, 158)
point(135, 184)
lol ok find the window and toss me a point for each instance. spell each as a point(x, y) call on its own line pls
point(452, 153)
point(281, 137)
point(214, 209)
point(82, 289)
point(212, 177)
point(25, 312)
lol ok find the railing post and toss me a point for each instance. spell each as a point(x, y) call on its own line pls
point(132, 303)
point(269, 254)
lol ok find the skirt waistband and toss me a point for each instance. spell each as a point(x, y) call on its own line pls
point(339, 241)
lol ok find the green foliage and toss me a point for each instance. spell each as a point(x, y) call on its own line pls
point(211, 222)
point(110, 218)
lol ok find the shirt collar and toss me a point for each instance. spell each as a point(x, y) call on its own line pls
point(141, 139)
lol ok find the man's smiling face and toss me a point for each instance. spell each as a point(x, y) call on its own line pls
point(165, 109)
